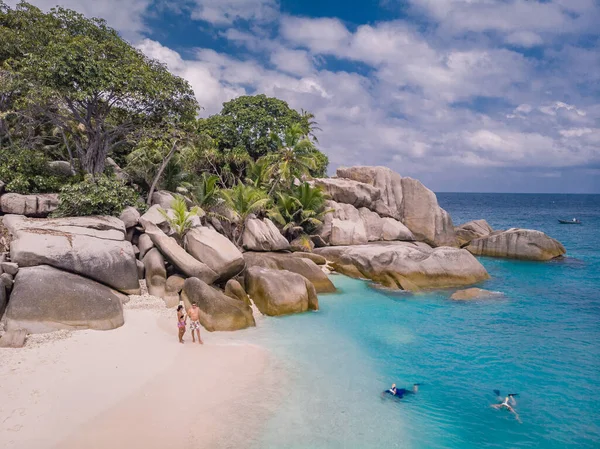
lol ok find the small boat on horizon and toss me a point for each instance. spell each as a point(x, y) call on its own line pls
point(572, 221)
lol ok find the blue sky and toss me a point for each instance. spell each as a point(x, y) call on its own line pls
point(466, 95)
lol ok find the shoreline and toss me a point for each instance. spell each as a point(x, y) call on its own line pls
point(136, 386)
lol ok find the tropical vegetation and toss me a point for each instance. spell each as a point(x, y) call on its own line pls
point(72, 90)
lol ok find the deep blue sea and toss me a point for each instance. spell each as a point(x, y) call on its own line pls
point(541, 340)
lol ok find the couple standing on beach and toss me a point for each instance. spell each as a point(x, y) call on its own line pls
point(193, 313)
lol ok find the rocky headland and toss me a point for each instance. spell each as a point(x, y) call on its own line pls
point(76, 272)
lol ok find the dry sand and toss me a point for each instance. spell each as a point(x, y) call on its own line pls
point(136, 386)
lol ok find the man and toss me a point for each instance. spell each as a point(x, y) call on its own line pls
point(194, 314)
point(506, 404)
point(400, 392)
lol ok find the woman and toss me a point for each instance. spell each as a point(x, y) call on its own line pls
point(181, 322)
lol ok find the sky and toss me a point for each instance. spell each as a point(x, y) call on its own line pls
point(465, 95)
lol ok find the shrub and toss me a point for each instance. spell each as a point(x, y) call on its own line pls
point(26, 171)
point(102, 195)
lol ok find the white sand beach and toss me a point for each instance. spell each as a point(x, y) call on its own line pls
point(135, 386)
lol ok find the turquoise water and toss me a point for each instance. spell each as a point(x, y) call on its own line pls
point(542, 340)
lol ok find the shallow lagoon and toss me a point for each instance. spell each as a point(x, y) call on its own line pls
point(541, 339)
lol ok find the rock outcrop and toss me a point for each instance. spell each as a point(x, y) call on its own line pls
point(185, 262)
point(347, 225)
point(130, 217)
point(472, 230)
point(216, 251)
point(94, 247)
point(280, 292)
point(155, 272)
point(347, 191)
point(37, 205)
point(473, 293)
point(46, 299)
point(343, 225)
point(525, 244)
point(145, 244)
point(407, 266)
point(408, 201)
point(163, 199)
point(263, 235)
point(218, 312)
point(234, 289)
point(154, 216)
point(299, 265)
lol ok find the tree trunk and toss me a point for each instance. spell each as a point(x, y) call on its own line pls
point(94, 159)
point(164, 164)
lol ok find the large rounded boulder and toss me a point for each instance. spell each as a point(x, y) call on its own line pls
point(93, 247)
point(472, 230)
point(524, 244)
point(218, 312)
point(45, 299)
point(263, 235)
point(289, 262)
point(280, 292)
point(216, 251)
point(407, 266)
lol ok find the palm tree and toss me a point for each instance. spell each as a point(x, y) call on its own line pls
point(293, 159)
point(205, 193)
point(244, 200)
point(300, 211)
point(259, 174)
point(181, 219)
point(311, 125)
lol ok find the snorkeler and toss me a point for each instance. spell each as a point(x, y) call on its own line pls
point(400, 392)
point(507, 404)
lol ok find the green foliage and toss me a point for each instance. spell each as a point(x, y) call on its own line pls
point(102, 195)
point(180, 219)
point(244, 200)
point(88, 81)
point(26, 171)
point(299, 211)
point(247, 125)
point(205, 193)
point(294, 158)
point(259, 174)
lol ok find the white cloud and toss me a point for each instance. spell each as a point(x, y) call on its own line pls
point(554, 108)
point(295, 62)
point(524, 39)
point(575, 132)
point(322, 35)
point(225, 12)
point(210, 90)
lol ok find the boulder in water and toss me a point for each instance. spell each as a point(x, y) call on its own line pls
point(299, 265)
point(472, 230)
point(280, 292)
point(472, 293)
point(525, 244)
point(407, 266)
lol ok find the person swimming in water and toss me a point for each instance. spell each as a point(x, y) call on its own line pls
point(507, 404)
point(400, 392)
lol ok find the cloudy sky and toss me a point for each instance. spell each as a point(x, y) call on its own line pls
point(466, 95)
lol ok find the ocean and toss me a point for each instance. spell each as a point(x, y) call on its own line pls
point(541, 339)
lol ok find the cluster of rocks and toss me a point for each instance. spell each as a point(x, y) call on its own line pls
point(77, 272)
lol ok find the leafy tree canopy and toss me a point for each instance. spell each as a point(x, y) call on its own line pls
point(248, 123)
point(88, 81)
